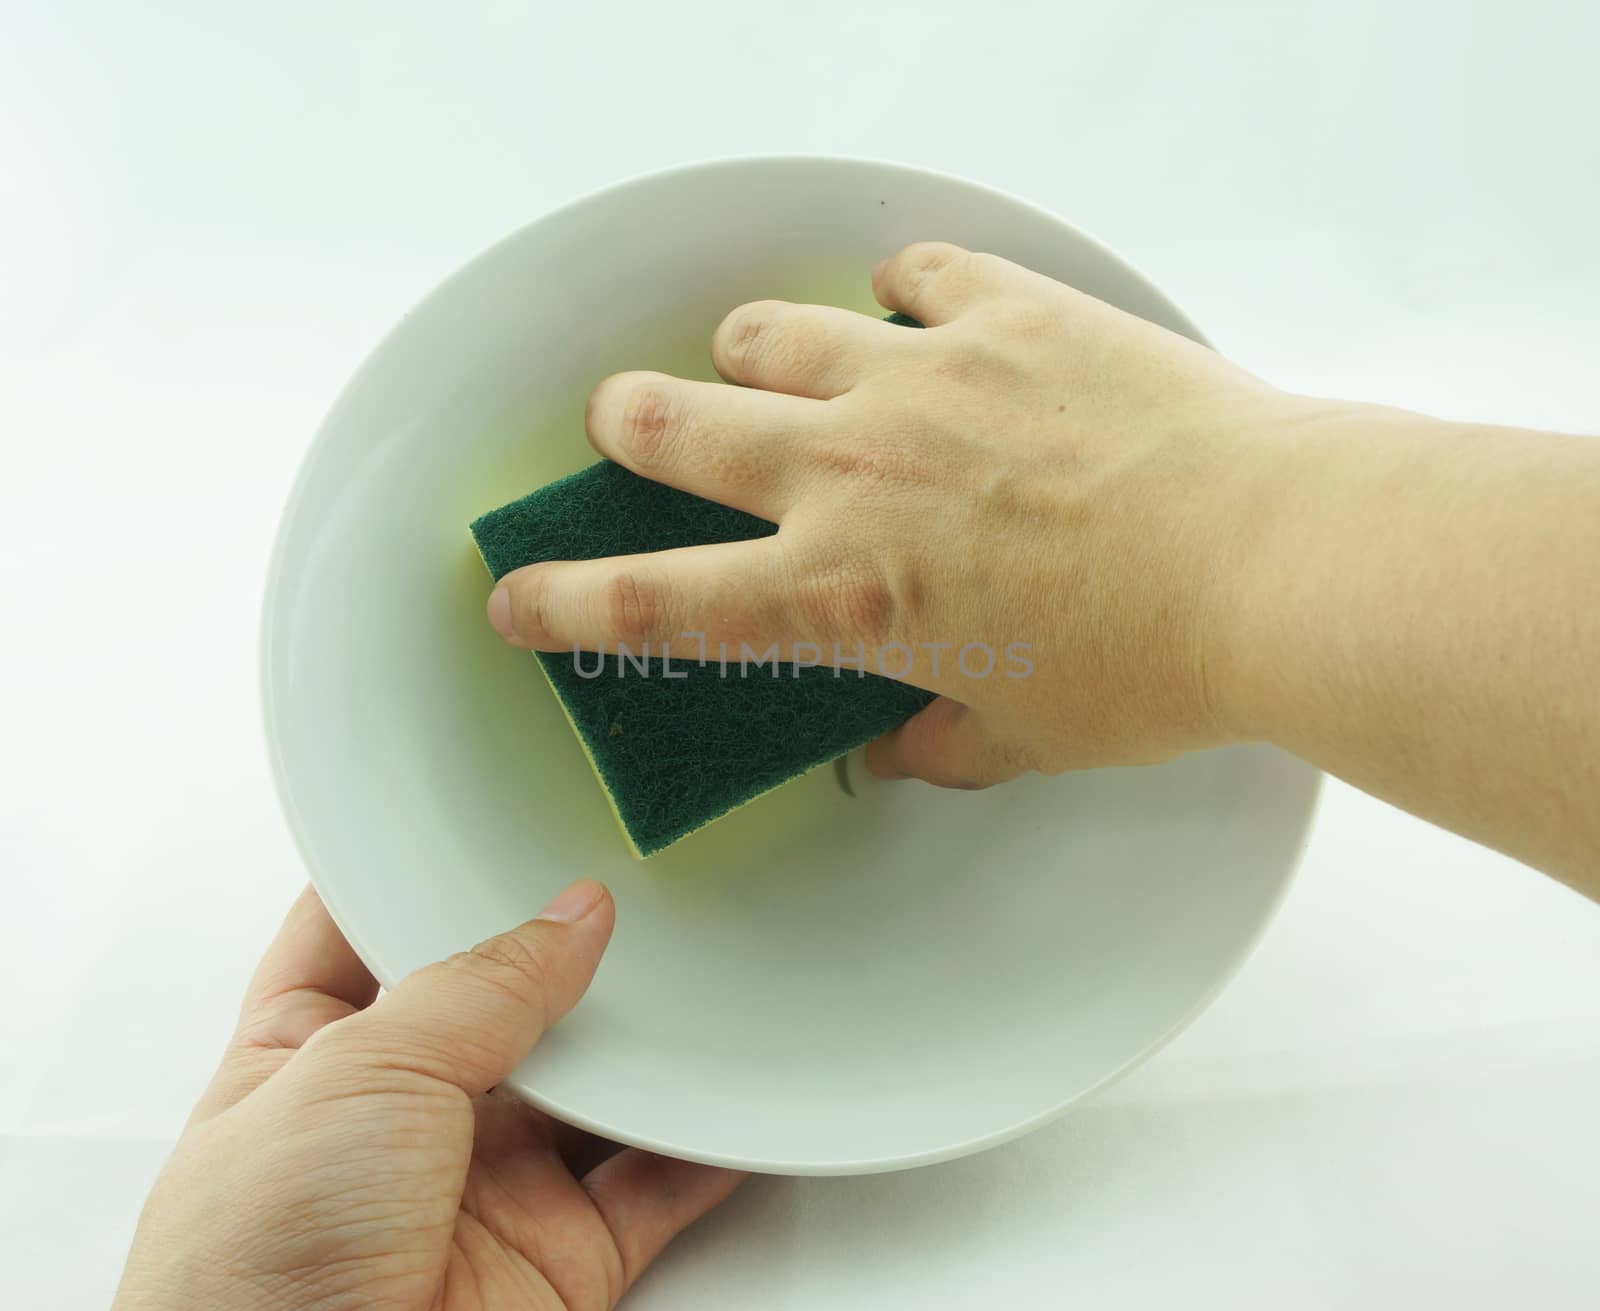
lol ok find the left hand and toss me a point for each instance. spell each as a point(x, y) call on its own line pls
point(352, 1152)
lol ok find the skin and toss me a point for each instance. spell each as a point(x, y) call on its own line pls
point(1189, 557)
point(349, 1152)
point(1193, 557)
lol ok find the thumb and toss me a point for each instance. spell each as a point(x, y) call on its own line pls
point(469, 1020)
point(950, 745)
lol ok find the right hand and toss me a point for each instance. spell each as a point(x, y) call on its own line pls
point(1037, 476)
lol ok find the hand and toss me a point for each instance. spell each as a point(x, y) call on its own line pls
point(1035, 498)
point(1181, 555)
point(351, 1153)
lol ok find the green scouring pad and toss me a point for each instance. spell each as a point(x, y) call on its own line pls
point(673, 754)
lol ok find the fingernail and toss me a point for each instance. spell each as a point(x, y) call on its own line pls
point(500, 613)
point(572, 904)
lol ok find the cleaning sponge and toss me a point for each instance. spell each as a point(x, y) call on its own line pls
point(676, 753)
point(673, 754)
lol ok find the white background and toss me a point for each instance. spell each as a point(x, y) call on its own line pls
point(209, 213)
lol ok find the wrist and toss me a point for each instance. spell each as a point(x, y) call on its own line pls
point(1285, 518)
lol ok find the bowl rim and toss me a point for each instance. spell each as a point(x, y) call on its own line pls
point(294, 505)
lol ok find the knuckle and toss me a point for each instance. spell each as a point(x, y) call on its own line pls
point(649, 419)
point(509, 967)
point(768, 340)
point(635, 607)
point(850, 600)
point(923, 261)
point(879, 463)
point(507, 956)
point(913, 590)
point(1013, 758)
point(1052, 763)
point(744, 338)
point(868, 604)
point(928, 257)
point(530, 601)
point(999, 756)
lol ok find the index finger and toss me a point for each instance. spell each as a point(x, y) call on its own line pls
point(309, 977)
point(308, 957)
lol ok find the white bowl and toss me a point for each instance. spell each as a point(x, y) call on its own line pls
point(820, 983)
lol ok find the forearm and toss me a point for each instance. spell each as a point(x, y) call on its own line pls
point(1420, 615)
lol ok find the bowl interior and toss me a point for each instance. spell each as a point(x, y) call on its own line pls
point(820, 982)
